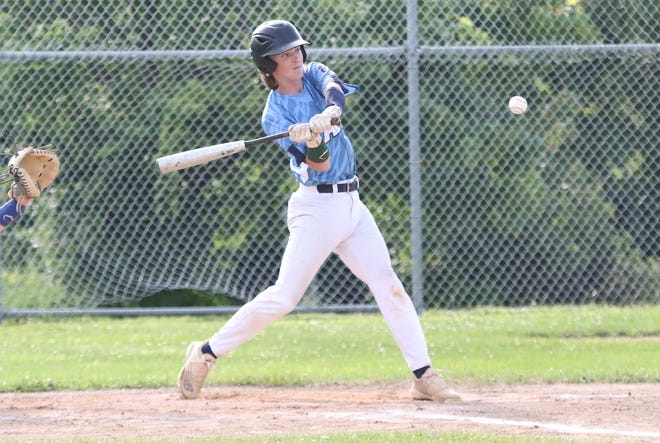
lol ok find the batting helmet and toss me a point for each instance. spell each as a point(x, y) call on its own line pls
point(271, 38)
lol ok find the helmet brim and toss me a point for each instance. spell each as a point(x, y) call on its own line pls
point(285, 47)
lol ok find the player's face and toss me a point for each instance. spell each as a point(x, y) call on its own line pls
point(289, 65)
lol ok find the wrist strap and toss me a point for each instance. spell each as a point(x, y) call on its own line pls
point(318, 154)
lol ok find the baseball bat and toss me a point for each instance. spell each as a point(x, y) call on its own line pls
point(199, 156)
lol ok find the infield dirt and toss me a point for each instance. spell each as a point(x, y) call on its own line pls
point(579, 412)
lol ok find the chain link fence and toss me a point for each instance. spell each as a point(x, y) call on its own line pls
point(478, 206)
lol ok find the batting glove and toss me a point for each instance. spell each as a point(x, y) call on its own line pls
point(301, 133)
point(314, 141)
point(323, 121)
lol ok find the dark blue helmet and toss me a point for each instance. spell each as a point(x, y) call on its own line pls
point(271, 38)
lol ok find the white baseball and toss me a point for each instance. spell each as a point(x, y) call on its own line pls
point(517, 104)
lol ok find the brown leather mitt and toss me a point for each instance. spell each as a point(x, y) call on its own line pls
point(33, 169)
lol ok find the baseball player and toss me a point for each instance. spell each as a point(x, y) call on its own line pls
point(325, 214)
point(32, 170)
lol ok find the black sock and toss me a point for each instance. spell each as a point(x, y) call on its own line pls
point(419, 372)
point(206, 349)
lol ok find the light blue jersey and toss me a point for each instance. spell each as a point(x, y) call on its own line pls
point(282, 111)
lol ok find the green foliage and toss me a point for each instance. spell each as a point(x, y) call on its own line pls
point(625, 24)
point(530, 217)
point(185, 297)
point(21, 286)
point(579, 185)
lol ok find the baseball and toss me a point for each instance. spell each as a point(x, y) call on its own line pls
point(517, 104)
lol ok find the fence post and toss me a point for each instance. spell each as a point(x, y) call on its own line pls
point(412, 55)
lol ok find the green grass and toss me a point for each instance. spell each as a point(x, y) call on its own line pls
point(539, 344)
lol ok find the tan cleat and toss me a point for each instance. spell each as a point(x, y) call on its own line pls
point(432, 387)
point(195, 370)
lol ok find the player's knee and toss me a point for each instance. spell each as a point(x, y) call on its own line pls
point(397, 290)
point(389, 283)
point(281, 303)
point(287, 306)
point(389, 278)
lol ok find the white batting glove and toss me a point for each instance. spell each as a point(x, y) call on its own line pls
point(300, 132)
point(323, 121)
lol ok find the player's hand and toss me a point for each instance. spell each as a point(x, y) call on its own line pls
point(301, 133)
point(315, 141)
point(323, 121)
point(23, 200)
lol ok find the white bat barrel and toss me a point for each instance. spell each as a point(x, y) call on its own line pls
point(199, 156)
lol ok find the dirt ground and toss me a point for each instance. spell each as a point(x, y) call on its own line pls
point(579, 412)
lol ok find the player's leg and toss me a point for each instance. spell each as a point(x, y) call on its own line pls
point(366, 254)
point(315, 228)
point(300, 263)
point(297, 270)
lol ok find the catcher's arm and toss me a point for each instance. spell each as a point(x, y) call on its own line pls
point(11, 210)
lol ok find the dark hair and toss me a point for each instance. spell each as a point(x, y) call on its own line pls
point(269, 81)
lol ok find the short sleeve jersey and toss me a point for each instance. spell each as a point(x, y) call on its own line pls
point(281, 111)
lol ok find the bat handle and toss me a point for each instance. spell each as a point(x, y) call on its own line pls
point(269, 138)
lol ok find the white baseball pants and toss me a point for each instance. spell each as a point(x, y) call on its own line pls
point(320, 224)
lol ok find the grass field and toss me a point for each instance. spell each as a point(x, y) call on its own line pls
point(538, 344)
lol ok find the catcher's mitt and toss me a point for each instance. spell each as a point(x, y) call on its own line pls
point(33, 169)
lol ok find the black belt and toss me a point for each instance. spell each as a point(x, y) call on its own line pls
point(327, 188)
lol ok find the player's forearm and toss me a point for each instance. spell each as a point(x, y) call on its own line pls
point(12, 210)
point(318, 157)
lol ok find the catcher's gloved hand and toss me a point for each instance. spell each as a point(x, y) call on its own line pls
point(32, 169)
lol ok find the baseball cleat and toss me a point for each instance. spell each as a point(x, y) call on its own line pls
point(194, 371)
point(432, 387)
